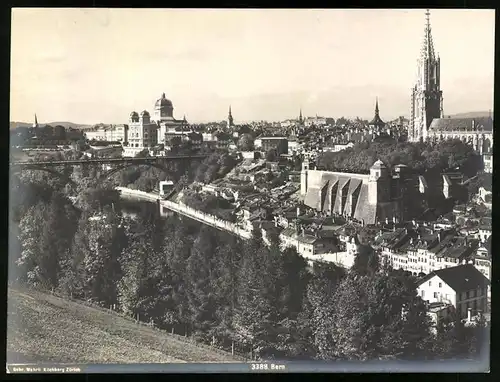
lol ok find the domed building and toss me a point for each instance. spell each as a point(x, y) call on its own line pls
point(146, 131)
point(164, 109)
point(168, 126)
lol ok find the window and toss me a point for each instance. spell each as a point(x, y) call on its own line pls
point(422, 293)
point(435, 295)
point(440, 285)
point(430, 283)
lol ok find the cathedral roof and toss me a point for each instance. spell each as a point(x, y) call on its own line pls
point(462, 124)
point(325, 193)
point(162, 102)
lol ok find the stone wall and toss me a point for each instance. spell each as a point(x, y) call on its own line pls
point(182, 209)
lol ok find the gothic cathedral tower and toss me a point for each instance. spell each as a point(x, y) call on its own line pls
point(426, 96)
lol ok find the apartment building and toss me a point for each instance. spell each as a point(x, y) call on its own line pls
point(424, 250)
point(112, 133)
point(307, 245)
point(463, 287)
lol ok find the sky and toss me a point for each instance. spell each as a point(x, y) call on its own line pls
point(98, 65)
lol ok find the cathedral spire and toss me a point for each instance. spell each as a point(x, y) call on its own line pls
point(376, 106)
point(427, 51)
point(300, 116)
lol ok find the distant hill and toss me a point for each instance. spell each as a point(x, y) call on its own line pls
point(472, 114)
point(14, 125)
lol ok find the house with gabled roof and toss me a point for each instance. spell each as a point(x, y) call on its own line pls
point(463, 287)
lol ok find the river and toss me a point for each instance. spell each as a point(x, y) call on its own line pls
point(132, 207)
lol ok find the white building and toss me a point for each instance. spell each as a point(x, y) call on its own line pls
point(142, 133)
point(463, 287)
point(163, 116)
point(305, 244)
point(423, 250)
point(112, 133)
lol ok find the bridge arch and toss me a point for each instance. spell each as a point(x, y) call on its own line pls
point(124, 166)
point(52, 171)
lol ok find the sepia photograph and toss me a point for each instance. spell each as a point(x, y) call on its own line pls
point(250, 190)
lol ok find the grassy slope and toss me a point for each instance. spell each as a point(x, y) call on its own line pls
point(45, 328)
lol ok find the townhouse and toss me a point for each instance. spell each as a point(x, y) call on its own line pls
point(462, 287)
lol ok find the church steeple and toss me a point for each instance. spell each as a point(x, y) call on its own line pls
point(377, 121)
point(300, 116)
point(426, 97)
point(230, 121)
point(427, 51)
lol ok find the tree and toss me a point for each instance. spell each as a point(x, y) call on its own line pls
point(246, 142)
point(199, 276)
point(56, 238)
point(92, 269)
point(256, 313)
point(30, 232)
point(366, 261)
point(271, 155)
point(94, 195)
point(142, 154)
point(318, 309)
point(378, 317)
point(224, 282)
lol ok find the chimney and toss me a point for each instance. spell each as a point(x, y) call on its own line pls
point(469, 315)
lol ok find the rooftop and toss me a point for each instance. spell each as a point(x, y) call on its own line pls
point(462, 124)
point(462, 278)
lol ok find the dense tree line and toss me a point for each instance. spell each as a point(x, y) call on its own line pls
point(190, 278)
point(442, 156)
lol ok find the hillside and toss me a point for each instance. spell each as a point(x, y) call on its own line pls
point(13, 125)
point(45, 328)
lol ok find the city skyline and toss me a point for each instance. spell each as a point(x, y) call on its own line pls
point(89, 66)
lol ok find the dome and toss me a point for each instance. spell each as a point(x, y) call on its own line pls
point(162, 102)
point(378, 164)
point(144, 113)
point(134, 114)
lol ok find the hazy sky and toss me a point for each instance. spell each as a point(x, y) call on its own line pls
point(98, 65)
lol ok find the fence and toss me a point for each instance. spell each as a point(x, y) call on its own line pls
point(237, 355)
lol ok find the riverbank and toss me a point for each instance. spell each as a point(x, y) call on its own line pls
point(189, 212)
